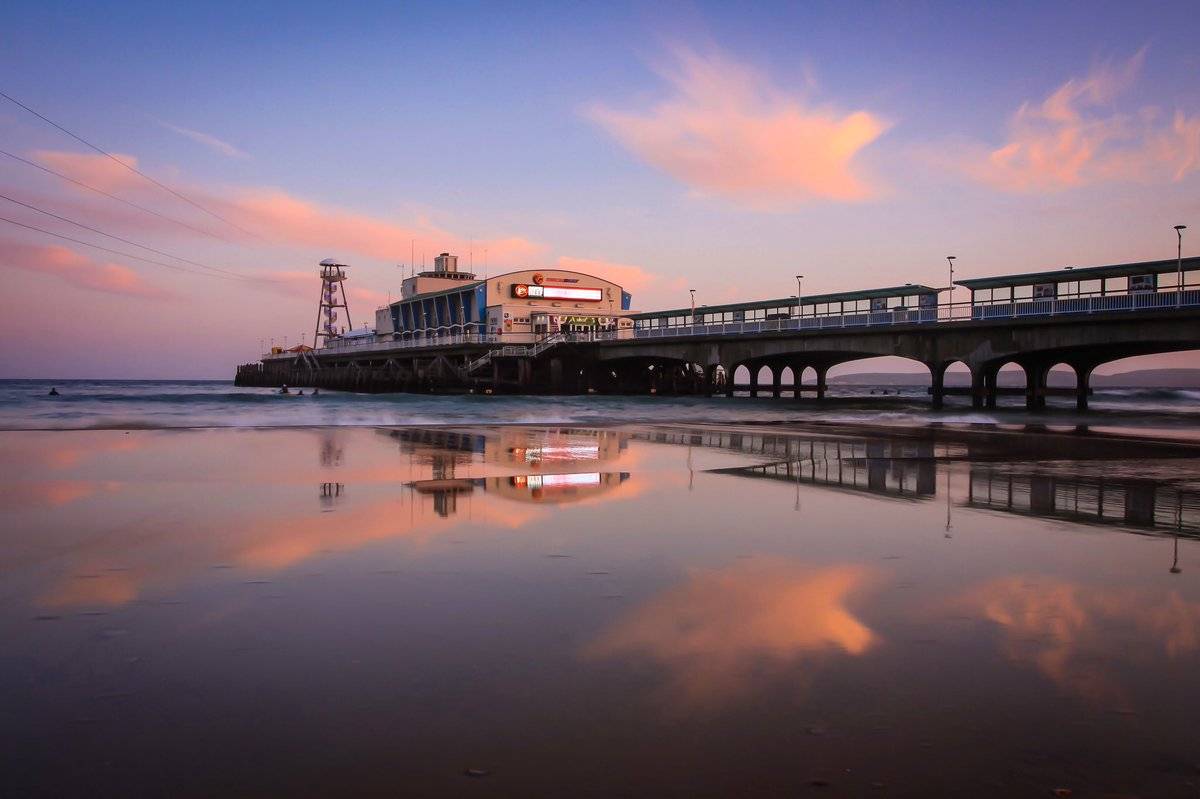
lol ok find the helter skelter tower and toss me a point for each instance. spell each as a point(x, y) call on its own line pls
point(333, 296)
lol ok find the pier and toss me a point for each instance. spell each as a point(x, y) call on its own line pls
point(1079, 319)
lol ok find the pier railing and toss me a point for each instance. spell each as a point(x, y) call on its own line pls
point(1071, 305)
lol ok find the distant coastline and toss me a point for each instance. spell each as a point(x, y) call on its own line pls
point(1140, 378)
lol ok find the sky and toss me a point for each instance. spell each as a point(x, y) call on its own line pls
point(665, 146)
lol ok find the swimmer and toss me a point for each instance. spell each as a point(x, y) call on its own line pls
point(53, 392)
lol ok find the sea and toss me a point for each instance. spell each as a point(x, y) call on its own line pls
point(181, 404)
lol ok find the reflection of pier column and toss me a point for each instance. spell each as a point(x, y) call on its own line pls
point(1041, 495)
point(1139, 504)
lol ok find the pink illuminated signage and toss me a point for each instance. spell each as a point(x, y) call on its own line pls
point(525, 291)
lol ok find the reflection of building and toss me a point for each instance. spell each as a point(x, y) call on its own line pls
point(555, 488)
point(556, 465)
point(1148, 504)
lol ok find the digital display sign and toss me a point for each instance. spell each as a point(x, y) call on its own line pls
point(523, 291)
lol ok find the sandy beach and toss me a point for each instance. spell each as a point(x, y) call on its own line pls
point(691, 610)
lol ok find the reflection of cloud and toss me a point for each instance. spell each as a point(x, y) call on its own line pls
point(726, 130)
point(1069, 631)
point(1074, 138)
point(720, 629)
point(50, 493)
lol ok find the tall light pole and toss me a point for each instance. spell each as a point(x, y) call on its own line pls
point(693, 293)
point(1179, 264)
point(950, 260)
point(799, 295)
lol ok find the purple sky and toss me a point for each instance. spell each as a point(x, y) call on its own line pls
point(667, 147)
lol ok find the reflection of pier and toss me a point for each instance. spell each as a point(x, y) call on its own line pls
point(901, 469)
point(1146, 504)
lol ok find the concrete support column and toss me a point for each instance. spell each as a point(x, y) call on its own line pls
point(937, 372)
point(797, 379)
point(710, 379)
point(730, 370)
point(753, 380)
point(777, 380)
point(1083, 380)
point(991, 385)
point(978, 386)
point(1035, 386)
point(822, 371)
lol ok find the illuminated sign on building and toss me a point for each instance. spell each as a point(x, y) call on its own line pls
point(524, 291)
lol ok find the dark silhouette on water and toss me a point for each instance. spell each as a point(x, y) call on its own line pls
point(53, 392)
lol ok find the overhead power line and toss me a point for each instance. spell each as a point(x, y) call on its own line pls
point(107, 249)
point(120, 239)
point(132, 169)
point(103, 193)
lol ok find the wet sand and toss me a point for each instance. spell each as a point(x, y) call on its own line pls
point(647, 611)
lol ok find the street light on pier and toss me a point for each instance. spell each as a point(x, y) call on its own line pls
point(1179, 264)
point(799, 295)
point(693, 293)
point(950, 260)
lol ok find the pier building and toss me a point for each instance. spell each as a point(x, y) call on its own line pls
point(445, 305)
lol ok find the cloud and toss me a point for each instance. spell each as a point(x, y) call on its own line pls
point(207, 139)
point(727, 130)
point(1075, 137)
point(281, 218)
point(79, 270)
point(634, 279)
point(290, 220)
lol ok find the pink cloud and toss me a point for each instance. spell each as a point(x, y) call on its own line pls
point(727, 130)
point(94, 169)
point(633, 279)
point(79, 270)
point(280, 218)
point(1074, 138)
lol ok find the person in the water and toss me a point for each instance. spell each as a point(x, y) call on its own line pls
point(284, 390)
point(300, 393)
point(316, 392)
point(53, 391)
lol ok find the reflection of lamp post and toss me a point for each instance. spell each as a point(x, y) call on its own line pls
point(949, 526)
point(1179, 264)
point(1175, 564)
point(799, 294)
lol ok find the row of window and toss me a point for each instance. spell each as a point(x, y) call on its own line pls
point(448, 309)
point(704, 317)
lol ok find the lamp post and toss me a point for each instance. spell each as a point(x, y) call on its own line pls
point(799, 295)
point(950, 260)
point(693, 293)
point(1179, 265)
